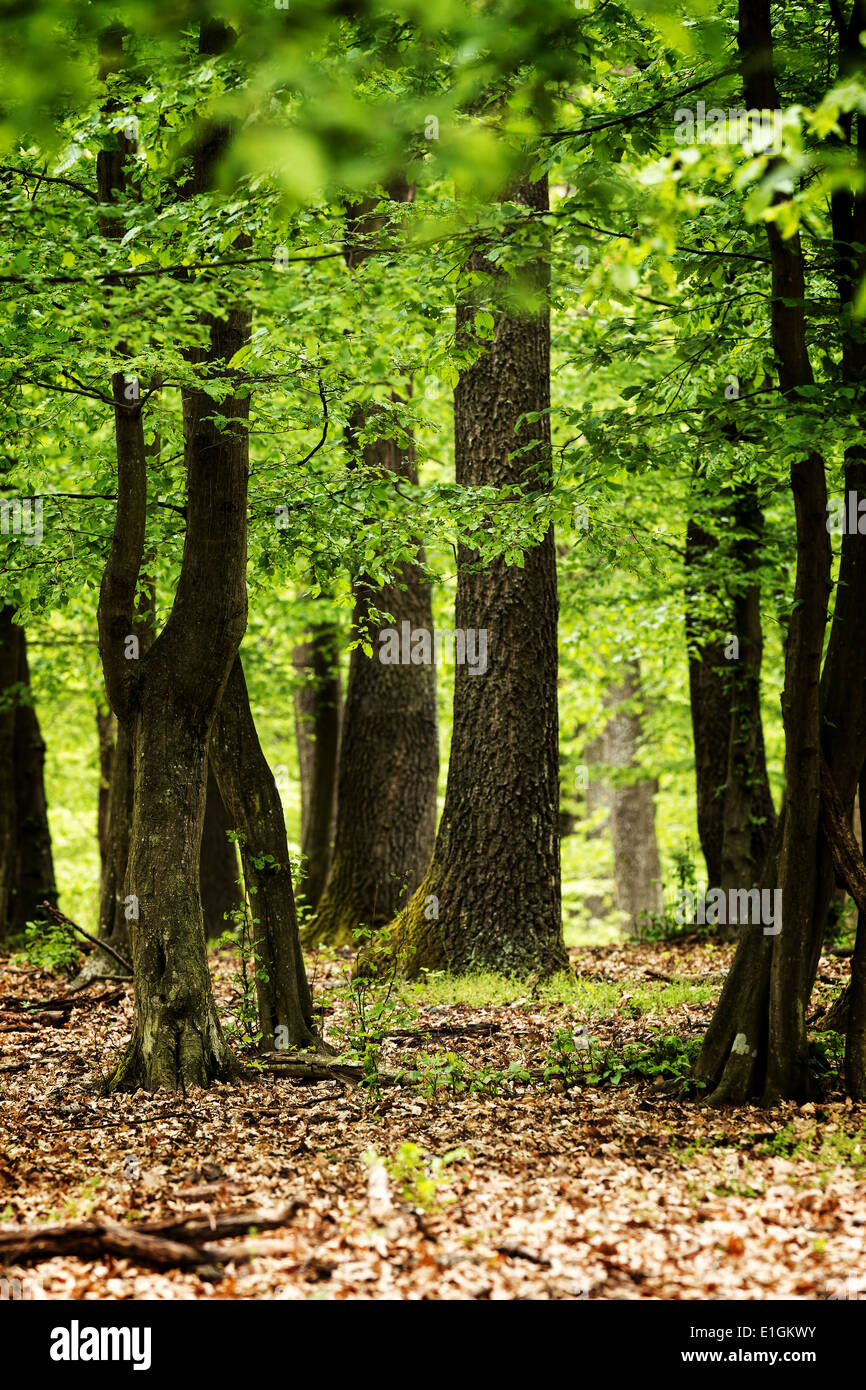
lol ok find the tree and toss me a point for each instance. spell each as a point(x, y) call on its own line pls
point(253, 804)
point(318, 715)
point(389, 751)
point(26, 866)
point(168, 698)
point(490, 899)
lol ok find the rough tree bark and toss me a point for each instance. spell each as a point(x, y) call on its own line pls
point(491, 897)
point(389, 751)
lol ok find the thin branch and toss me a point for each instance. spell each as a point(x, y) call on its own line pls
point(47, 178)
point(103, 945)
point(637, 115)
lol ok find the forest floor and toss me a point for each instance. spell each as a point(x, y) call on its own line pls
point(520, 1188)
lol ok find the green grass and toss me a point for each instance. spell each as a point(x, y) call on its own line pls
point(593, 998)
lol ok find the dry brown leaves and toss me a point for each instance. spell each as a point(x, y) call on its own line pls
point(556, 1194)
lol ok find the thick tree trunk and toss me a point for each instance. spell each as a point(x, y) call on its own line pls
point(491, 897)
point(26, 864)
point(389, 750)
point(637, 870)
point(318, 711)
point(254, 807)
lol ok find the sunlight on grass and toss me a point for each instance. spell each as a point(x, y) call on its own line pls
point(593, 998)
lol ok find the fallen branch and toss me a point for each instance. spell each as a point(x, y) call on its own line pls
point(448, 1030)
point(103, 945)
point(167, 1244)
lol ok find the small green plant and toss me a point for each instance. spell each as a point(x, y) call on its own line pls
point(83, 1204)
point(667, 1056)
point(440, 1071)
point(664, 925)
point(418, 1175)
point(51, 946)
point(243, 1023)
point(377, 1009)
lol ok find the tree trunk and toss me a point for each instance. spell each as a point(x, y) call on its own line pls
point(169, 697)
point(220, 893)
point(710, 704)
point(491, 897)
point(749, 816)
point(389, 750)
point(318, 701)
point(637, 869)
point(254, 807)
point(106, 727)
point(26, 864)
point(757, 1040)
point(9, 662)
point(736, 815)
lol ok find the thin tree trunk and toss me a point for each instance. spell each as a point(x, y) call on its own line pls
point(491, 897)
point(253, 804)
point(9, 665)
point(26, 864)
point(220, 893)
point(710, 703)
point(106, 727)
point(637, 870)
point(318, 713)
point(757, 1040)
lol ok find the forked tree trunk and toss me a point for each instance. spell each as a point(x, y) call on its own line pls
point(491, 897)
point(756, 1042)
point(749, 813)
point(168, 699)
point(318, 709)
point(767, 991)
point(254, 807)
